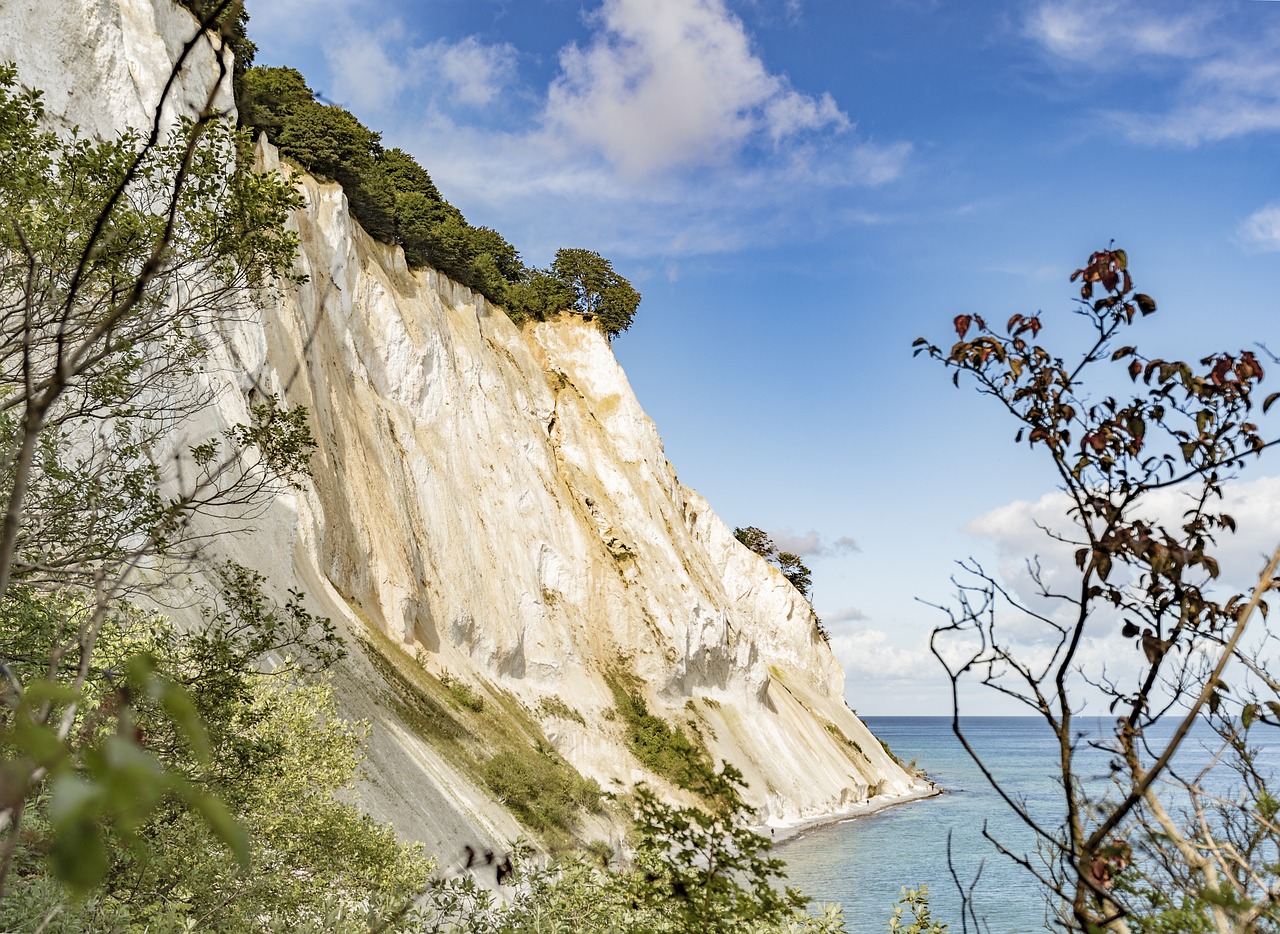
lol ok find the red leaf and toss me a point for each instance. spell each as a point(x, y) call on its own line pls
point(962, 323)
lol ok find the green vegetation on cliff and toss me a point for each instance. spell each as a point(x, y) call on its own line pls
point(396, 202)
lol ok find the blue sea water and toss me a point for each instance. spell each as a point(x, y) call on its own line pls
point(863, 863)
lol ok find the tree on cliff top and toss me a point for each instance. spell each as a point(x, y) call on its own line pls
point(597, 291)
point(1153, 849)
point(791, 566)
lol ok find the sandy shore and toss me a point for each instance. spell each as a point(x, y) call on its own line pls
point(782, 833)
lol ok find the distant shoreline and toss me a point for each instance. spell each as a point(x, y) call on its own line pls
point(782, 834)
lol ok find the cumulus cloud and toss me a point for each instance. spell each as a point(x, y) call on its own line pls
point(1016, 531)
point(476, 72)
point(365, 77)
point(667, 83)
point(1223, 81)
point(812, 545)
point(1261, 230)
point(370, 71)
point(662, 135)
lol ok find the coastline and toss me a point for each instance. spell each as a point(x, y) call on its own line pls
point(782, 834)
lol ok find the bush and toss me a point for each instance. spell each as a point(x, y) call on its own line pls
point(661, 748)
point(542, 789)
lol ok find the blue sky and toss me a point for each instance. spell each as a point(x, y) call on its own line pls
point(800, 188)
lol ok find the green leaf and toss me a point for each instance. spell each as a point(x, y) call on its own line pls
point(79, 856)
point(181, 709)
point(72, 798)
point(220, 821)
point(1248, 715)
point(52, 692)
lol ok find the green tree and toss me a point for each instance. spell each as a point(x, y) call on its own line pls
point(757, 540)
point(118, 261)
point(705, 868)
point(1155, 851)
point(598, 292)
point(791, 565)
point(268, 97)
point(539, 295)
point(406, 176)
point(795, 571)
point(915, 901)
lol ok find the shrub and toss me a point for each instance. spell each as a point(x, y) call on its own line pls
point(661, 748)
point(542, 789)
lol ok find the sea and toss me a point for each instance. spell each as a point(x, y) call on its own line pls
point(863, 863)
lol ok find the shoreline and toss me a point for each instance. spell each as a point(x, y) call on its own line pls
point(782, 834)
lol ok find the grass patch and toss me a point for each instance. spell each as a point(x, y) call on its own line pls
point(839, 734)
point(463, 694)
point(541, 789)
point(555, 707)
point(493, 739)
point(660, 747)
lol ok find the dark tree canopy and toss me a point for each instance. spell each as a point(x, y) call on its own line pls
point(597, 290)
point(396, 201)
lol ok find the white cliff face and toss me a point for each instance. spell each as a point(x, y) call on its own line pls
point(491, 499)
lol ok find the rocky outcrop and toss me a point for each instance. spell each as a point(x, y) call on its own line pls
point(489, 505)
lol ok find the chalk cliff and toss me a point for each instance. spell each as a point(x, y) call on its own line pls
point(489, 507)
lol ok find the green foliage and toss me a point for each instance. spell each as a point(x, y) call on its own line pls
point(598, 292)
point(491, 738)
point(693, 871)
point(792, 568)
point(706, 869)
point(141, 767)
point(391, 195)
point(913, 909)
point(555, 707)
point(543, 791)
point(282, 437)
point(396, 201)
point(463, 694)
point(539, 296)
point(661, 748)
point(756, 540)
point(284, 755)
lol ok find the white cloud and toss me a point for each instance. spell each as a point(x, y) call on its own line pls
point(1222, 81)
point(848, 614)
point(1093, 30)
point(1016, 531)
point(476, 72)
point(365, 78)
point(673, 88)
point(1261, 229)
point(668, 83)
point(369, 76)
point(869, 655)
point(811, 544)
